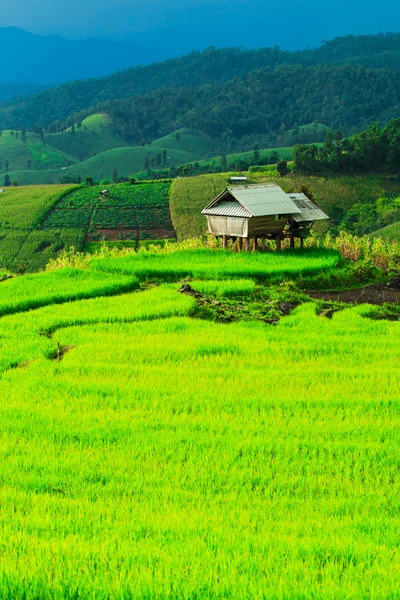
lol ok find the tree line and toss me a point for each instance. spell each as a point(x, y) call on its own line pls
point(195, 69)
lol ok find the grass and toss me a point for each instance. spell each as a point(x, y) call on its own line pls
point(173, 265)
point(41, 246)
point(96, 135)
point(388, 233)
point(171, 457)
point(284, 154)
point(187, 140)
point(18, 153)
point(227, 287)
point(54, 287)
point(25, 207)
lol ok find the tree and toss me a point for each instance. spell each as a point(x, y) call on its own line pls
point(147, 164)
point(178, 137)
point(132, 180)
point(7, 165)
point(23, 133)
point(89, 181)
point(115, 175)
point(282, 168)
point(256, 157)
point(7, 181)
point(164, 157)
point(224, 163)
point(15, 183)
point(29, 163)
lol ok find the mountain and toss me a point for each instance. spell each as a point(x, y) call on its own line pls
point(51, 60)
point(195, 69)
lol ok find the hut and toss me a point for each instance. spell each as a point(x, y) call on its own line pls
point(261, 211)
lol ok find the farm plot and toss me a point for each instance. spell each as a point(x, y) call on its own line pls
point(40, 246)
point(136, 467)
point(24, 208)
point(217, 264)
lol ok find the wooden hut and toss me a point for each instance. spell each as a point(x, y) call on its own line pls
point(260, 211)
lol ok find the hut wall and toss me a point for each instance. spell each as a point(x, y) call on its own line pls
point(266, 225)
point(235, 226)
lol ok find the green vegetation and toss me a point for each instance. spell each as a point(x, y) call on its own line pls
point(217, 264)
point(336, 195)
point(373, 150)
point(390, 232)
point(199, 68)
point(93, 135)
point(146, 453)
point(55, 287)
point(24, 208)
point(226, 287)
point(186, 140)
point(31, 154)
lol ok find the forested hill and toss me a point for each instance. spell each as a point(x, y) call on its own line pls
point(196, 69)
point(262, 103)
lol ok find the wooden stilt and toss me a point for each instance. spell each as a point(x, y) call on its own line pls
point(263, 243)
point(255, 243)
point(224, 241)
point(278, 242)
point(292, 241)
point(301, 242)
point(239, 240)
point(247, 244)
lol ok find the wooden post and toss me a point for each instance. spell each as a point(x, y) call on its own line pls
point(247, 244)
point(255, 243)
point(239, 240)
point(263, 243)
point(292, 241)
point(301, 242)
point(224, 241)
point(278, 242)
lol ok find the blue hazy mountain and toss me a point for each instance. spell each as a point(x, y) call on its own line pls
point(51, 60)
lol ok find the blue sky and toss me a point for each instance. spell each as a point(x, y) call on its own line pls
point(191, 24)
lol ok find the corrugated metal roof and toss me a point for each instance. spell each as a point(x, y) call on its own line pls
point(262, 200)
point(227, 208)
point(309, 210)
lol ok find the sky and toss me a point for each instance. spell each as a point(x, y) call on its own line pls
point(195, 24)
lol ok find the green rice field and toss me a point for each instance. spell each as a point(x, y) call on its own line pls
point(148, 453)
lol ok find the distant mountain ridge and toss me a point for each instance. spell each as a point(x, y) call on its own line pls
point(52, 60)
point(195, 69)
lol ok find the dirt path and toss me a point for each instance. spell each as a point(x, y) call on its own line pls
point(373, 294)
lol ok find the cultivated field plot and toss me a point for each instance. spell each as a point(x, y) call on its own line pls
point(24, 208)
point(143, 206)
point(166, 456)
point(217, 264)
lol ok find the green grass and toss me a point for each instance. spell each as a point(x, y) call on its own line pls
point(127, 161)
point(284, 154)
point(218, 264)
point(186, 140)
point(40, 246)
point(95, 136)
point(171, 457)
point(18, 153)
point(25, 207)
point(55, 287)
point(389, 233)
point(227, 287)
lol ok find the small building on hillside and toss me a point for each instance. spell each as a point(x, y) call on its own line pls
point(261, 211)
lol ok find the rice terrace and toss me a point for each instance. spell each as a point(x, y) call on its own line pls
point(199, 310)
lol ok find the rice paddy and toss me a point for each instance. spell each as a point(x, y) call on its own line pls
point(149, 454)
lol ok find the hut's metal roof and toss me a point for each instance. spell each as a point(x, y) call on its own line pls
point(309, 210)
point(229, 208)
point(259, 200)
